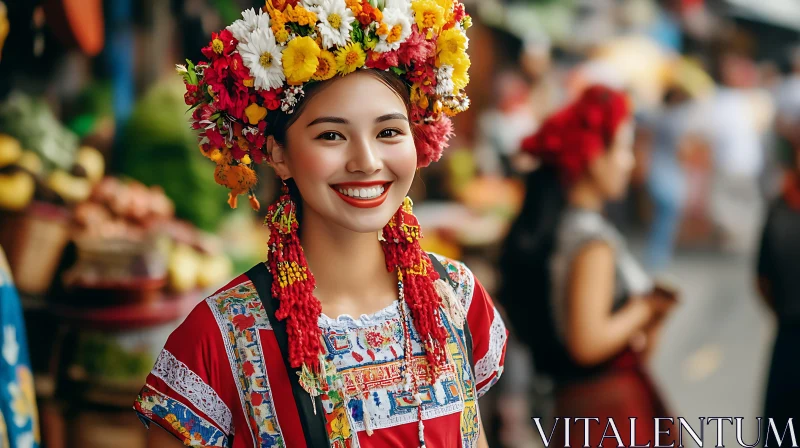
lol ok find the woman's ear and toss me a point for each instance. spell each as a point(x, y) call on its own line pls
point(277, 158)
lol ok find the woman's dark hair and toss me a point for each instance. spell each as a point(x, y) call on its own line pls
point(525, 268)
point(279, 123)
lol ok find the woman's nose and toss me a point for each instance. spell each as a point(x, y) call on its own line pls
point(364, 157)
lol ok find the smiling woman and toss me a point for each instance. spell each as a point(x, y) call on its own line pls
point(260, 362)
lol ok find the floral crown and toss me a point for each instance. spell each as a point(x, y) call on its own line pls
point(259, 66)
point(575, 135)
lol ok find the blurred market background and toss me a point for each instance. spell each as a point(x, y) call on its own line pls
point(113, 226)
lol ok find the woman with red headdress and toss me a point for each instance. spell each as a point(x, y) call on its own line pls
point(571, 287)
point(349, 334)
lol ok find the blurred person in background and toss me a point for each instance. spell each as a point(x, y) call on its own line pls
point(574, 293)
point(778, 272)
point(729, 126)
point(666, 179)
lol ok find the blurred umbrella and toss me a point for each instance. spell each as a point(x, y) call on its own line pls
point(688, 75)
point(636, 64)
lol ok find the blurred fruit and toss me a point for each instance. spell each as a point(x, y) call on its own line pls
point(10, 150)
point(214, 271)
point(183, 269)
point(31, 162)
point(16, 190)
point(92, 161)
point(69, 187)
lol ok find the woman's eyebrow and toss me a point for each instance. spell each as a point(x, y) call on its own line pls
point(337, 120)
point(394, 116)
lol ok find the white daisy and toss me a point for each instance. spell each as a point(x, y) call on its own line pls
point(399, 24)
point(401, 5)
point(444, 80)
point(335, 20)
point(262, 55)
point(250, 21)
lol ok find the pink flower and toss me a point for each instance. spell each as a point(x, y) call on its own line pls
point(416, 49)
point(431, 139)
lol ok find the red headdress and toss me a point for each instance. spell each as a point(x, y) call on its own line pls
point(571, 138)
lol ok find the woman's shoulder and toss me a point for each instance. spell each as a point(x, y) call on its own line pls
point(461, 275)
point(579, 227)
point(235, 304)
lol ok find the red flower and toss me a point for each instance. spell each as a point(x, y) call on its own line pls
point(424, 76)
point(280, 5)
point(231, 95)
point(215, 139)
point(416, 49)
point(243, 321)
point(458, 12)
point(382, 61)
point(192, 95)
point(271, 98)
point(258, 155)
point(222, 44)
point(248, 368)
point(374, 339)
point(431, 139)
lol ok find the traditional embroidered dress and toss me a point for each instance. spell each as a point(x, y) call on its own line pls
point(221, 381)
point(19, 422)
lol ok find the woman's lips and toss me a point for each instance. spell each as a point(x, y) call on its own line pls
point(370, 190)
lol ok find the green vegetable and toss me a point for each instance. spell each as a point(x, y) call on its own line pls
point(160, 148)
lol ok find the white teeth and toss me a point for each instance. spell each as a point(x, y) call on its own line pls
point(363, 193)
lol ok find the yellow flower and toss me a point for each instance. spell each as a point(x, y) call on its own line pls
point(350, 58)
point(327, 66)
point(429, 15)
point(255, 113)
point(300, 59)
point(460, 72)
point(451, 46)
point(339, 425)
point(300, 15)
point(282, 36)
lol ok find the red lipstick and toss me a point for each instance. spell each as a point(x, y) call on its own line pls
point(363, 203)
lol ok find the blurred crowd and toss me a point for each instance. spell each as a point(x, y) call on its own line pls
point(715, 94)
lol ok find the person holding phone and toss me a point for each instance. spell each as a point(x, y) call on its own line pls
point(573, 291)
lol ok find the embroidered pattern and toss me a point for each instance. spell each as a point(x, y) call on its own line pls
point(239, 314)
point(461, 274)
point(489, 365)
point(189, 385)
point(173, 416)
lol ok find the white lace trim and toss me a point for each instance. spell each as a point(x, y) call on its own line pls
point(180, 378)
point(366, 320)
point(490, 363)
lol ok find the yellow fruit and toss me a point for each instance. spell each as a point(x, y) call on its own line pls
point(93, 162)
point(16, 190)
point(69, 187)
point(214, 270)
point(10, 150)
point(183, 269)
point(31, 162)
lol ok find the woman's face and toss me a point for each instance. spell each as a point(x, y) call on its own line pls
point(611, 171)
point(351, 153)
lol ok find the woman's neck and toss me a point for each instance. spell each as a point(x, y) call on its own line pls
point(349, 267)
point(585, 196)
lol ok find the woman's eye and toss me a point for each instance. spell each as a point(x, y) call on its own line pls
point(389, 133)
point(330, 136)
